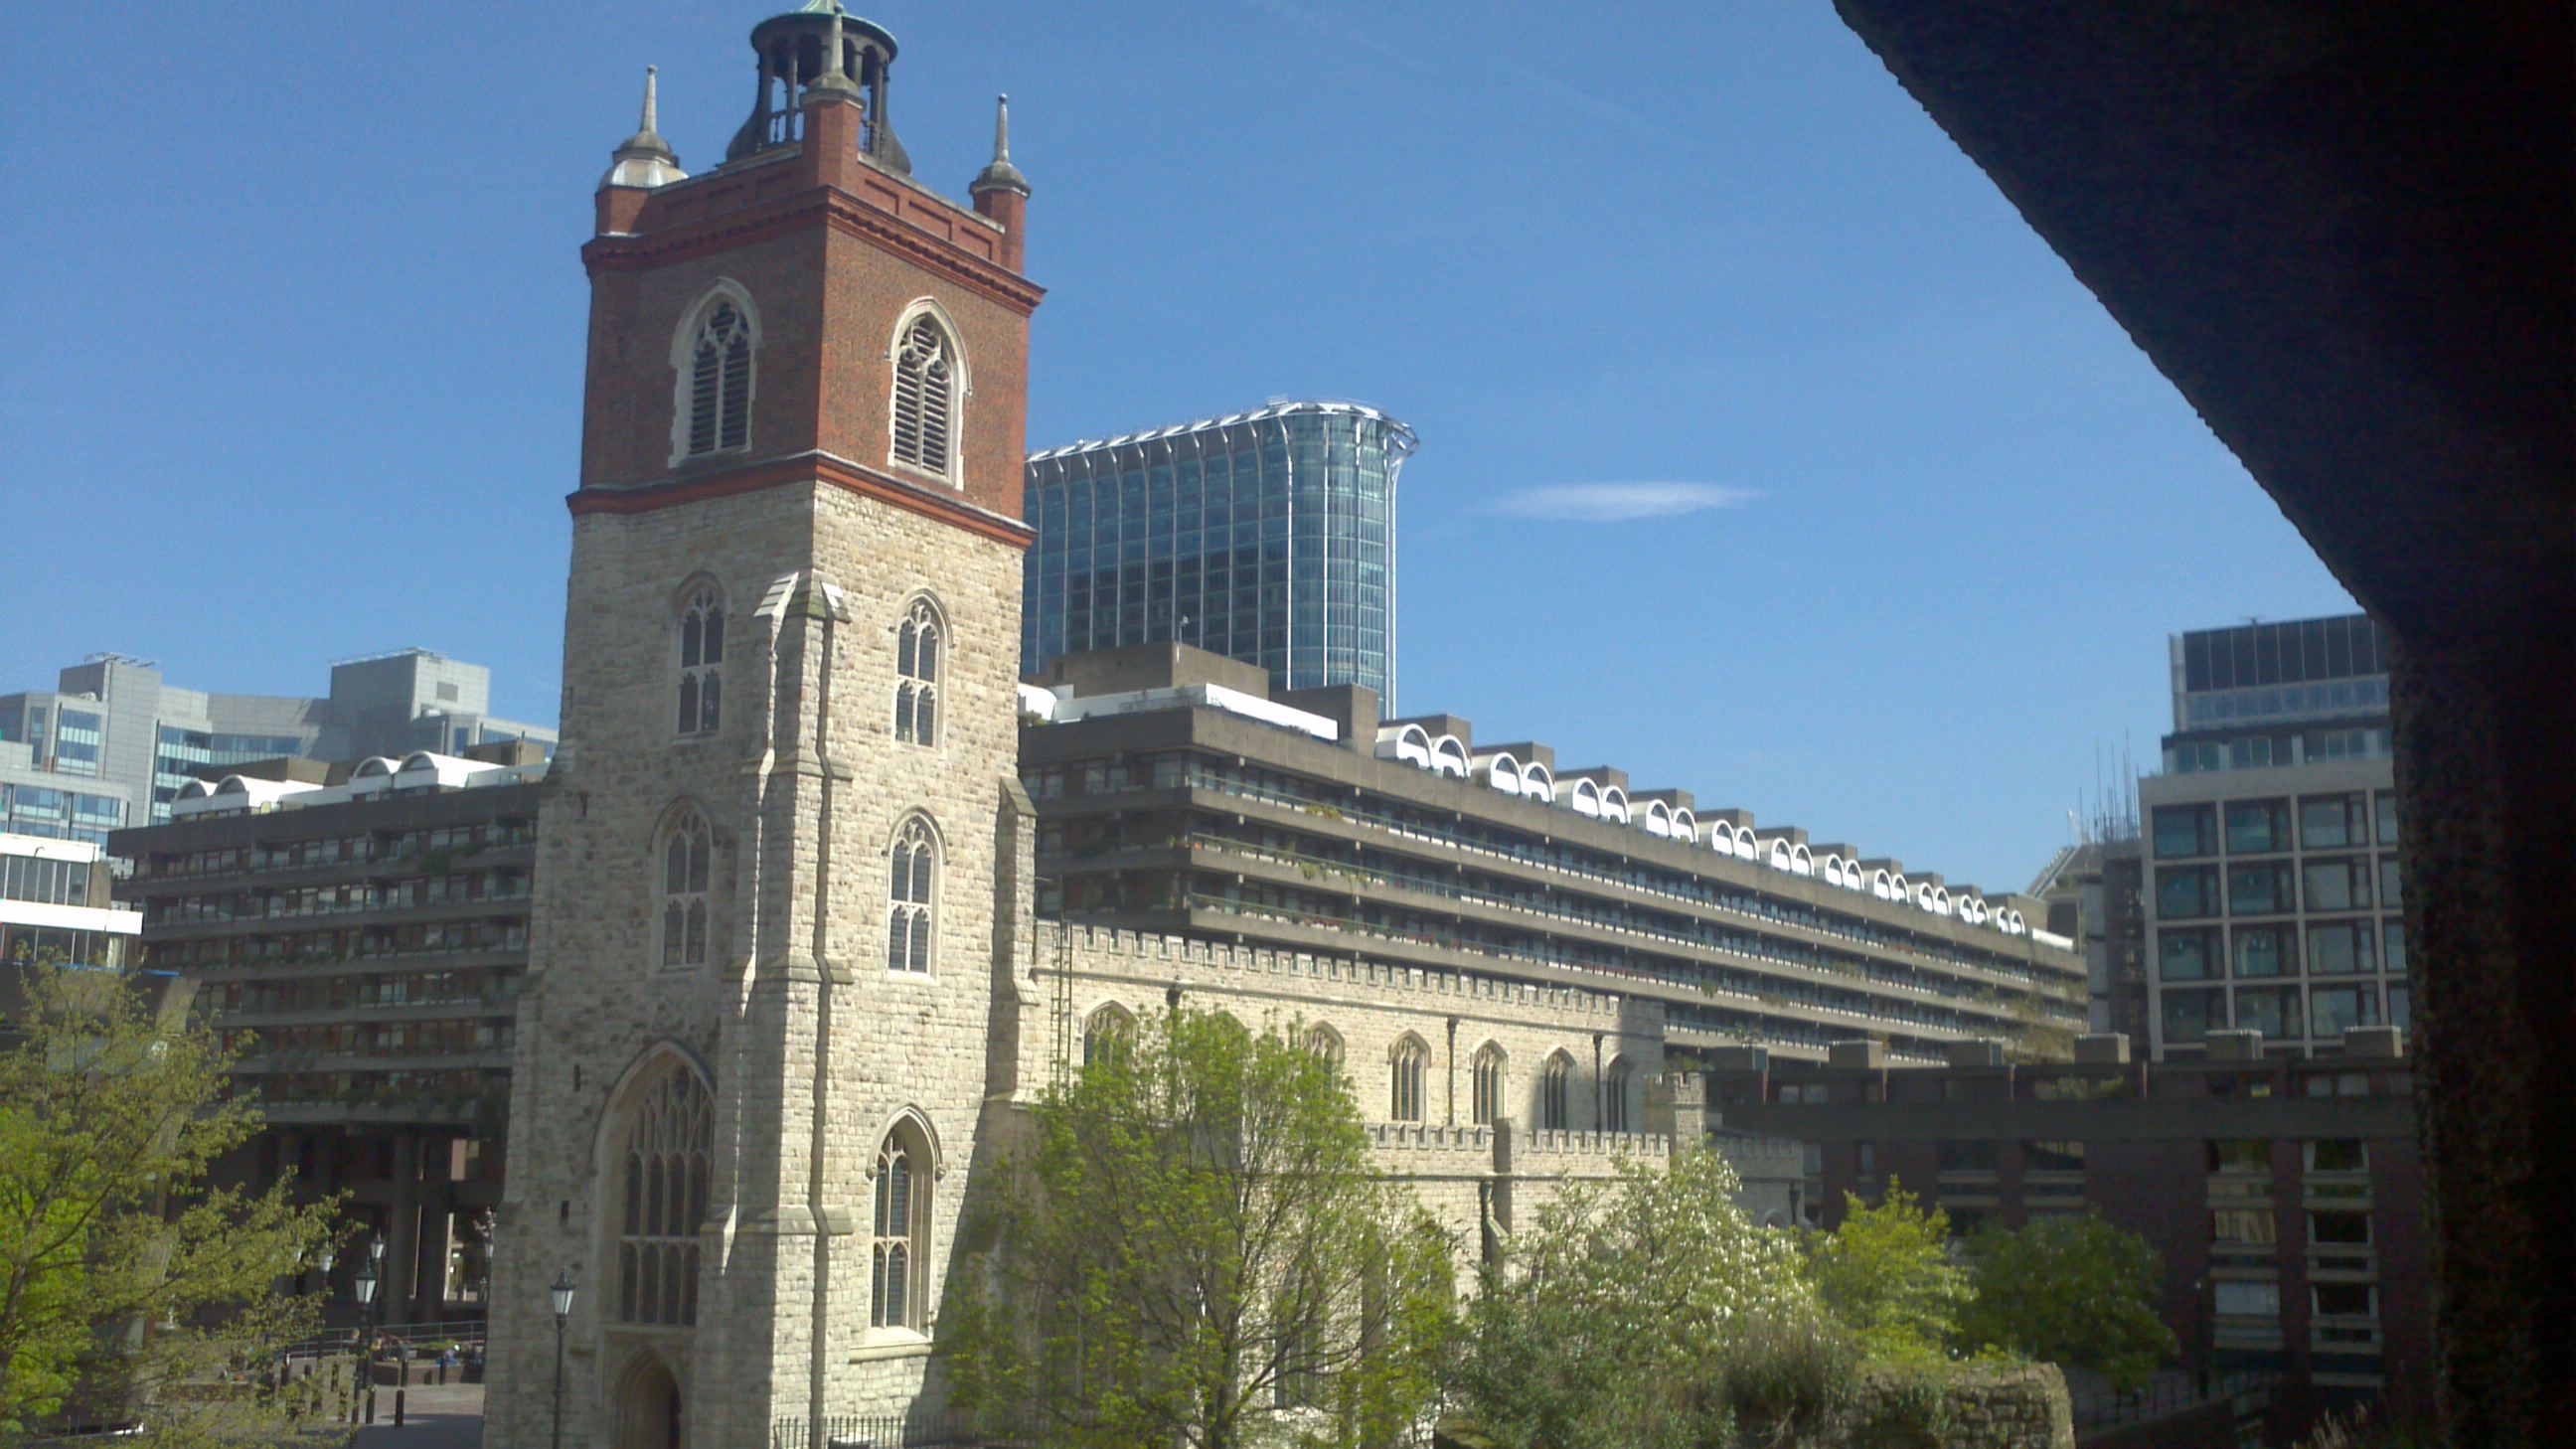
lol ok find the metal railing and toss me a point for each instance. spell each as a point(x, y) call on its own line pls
point(954, 1429)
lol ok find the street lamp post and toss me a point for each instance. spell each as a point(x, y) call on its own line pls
point(362, 1392)
point(561, 1292)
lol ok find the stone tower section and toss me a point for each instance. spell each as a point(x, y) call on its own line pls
point(780, 878)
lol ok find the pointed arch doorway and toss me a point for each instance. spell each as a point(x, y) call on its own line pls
point(648, 1407)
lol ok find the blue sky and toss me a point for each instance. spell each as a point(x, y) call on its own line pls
point(1765, 451)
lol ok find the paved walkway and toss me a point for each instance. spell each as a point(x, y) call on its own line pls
point(434, 1417)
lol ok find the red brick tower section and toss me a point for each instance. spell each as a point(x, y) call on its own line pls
point(816, 215)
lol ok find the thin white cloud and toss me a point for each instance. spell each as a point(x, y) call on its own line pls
point(1621, 502)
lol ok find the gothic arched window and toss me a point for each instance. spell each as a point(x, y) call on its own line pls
point(916, 660)
point(1553, 1089)
point(904, 1173)
point(719, 396)
point(1617, 1109)
point(1404, 1087)
point(663, 1192)
point(1323, 1041)
point(1109, 1030)
point(687, 853)
point(925, 396)
point(1487, 1098)
point(910, 882)
point(702, 641)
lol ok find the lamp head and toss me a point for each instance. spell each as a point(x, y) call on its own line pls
point(365, 1283)
point(561, 1292)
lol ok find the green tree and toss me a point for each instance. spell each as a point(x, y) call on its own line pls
point(2071, 1290)
point(1649, 1312)
point(1197, 1249)
point(128, 1286)
point(1887, 1274)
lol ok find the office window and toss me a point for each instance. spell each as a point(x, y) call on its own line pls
point(2337, 1154)
point(2251, 752)
point(2331, 821)
point(2186, 830)
point(2401, 1012)
point(2186, 955)
point(2386, 801)
point(2243, 1225)
point(2189, 1015)
point(2255, 826)
point(2346, 1300)
point(2339, 1229)
point(2393, 936)
point(2341, 883)
point(2265, 951)
point(2392, 883)
point(2273, 1013)
point(2340, 948)
point(2336, 1010)
point(2262, 889)
point(2186, 892)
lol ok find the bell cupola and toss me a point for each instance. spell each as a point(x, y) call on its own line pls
point(820, 47)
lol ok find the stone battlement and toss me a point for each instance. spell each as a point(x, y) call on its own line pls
point(1431, 1136)
point(1644, 1146)
point(1095, 942)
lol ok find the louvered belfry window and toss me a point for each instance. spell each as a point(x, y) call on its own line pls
point(720, 383)
point(925, 398)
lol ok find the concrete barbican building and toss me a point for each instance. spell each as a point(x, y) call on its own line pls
point(787, 994)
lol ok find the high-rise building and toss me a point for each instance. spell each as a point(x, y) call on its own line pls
point(112, 721)
point(2274, 895)
point(1266, 536)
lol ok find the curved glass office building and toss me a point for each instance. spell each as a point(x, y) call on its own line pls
point(1268, 536)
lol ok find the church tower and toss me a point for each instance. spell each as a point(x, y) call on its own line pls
point(783, 863)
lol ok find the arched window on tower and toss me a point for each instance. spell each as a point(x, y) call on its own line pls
point(687, 853)
point(910, 884)
point(702, 641)
point(1618, 1099)
point(1553, 1091)
point(1404, 1089)
point(719, 397)
point(925, 396)
point(904, 1175)
point(916, 692)
point(1487, 1098)
point(663, 1189)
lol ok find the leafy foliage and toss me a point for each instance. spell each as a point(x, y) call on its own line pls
point(1886, 1272)
point(128, 1286)
point(2072, 1290)
point(1650, 1313)
point(1197, 1249)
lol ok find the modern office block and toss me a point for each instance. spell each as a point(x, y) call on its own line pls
point(2274, 897)
point(111, 720)
point(56, 905)
point(1266, 536)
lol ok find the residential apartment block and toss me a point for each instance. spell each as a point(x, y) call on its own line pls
point(2274, 903)
point(361, 931)
point(2285, 1196)
point(1176, 793)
